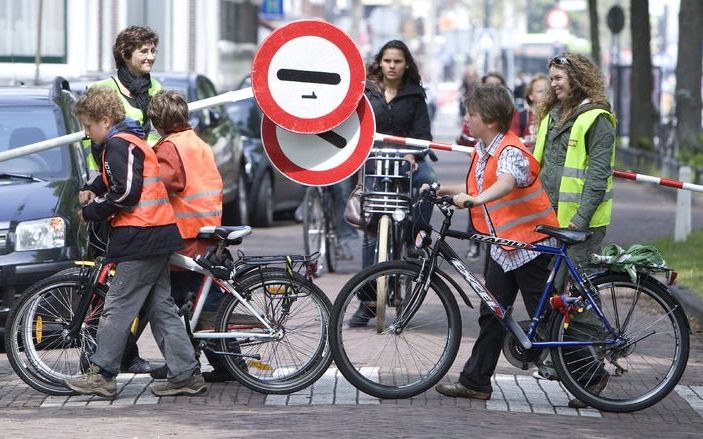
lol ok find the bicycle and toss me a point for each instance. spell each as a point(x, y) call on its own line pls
point(604, 323)
point(271, 326)
point(319, 228)
point(387, 199)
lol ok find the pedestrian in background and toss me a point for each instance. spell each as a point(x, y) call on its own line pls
point(534, 92)
point(576, 149)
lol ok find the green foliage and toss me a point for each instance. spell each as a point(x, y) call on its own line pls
point(685, 258)
point(692, 158)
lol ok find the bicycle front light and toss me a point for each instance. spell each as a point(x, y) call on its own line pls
point(398, 215)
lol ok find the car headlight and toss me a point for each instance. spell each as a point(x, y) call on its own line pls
point(399, 215)
point(40, 234)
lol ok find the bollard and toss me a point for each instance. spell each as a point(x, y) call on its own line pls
point(682, 222)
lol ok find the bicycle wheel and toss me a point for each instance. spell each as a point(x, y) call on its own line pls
point(314, 225)
point(37, 349)
point(645, 367)
point(299, 312)
point(396, 363)
point(384, 243)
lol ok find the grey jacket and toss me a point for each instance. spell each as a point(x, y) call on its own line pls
point(599, 147)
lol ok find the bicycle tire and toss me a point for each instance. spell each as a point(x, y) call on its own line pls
point(372, 362)
point(314, 225)
point(289, 364)
point(643, 313)
point(34, 348)
point(385, 241)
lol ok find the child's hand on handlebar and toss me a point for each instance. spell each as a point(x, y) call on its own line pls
point(464, 201)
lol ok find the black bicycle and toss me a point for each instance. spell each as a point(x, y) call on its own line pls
point(618, 343)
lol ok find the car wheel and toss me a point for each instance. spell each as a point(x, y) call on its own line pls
point(262, 214)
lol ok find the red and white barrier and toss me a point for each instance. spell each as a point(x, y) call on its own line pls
point(657, 180)
point(408, 141)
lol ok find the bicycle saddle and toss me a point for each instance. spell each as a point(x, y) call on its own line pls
point(564, 235)
point(228, 233)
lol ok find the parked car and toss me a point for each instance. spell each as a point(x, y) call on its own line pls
point(270, 192)
point(40, 233)
point(215, 128)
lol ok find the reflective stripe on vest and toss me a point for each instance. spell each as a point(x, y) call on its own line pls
point(199, 204)
point(153, 208)
point(573, 177)
point(515, 215)
point(130, 111)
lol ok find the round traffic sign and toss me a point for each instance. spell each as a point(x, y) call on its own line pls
point(325, 158)
point(308, 76)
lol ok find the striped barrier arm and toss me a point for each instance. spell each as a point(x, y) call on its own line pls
point(657, 180)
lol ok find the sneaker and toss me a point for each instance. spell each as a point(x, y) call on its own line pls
point(218, 376)
point(595, 389)
point(192, 386)
point(545, 371)
point(137, 365)
point(366, 311)
point(458, 390)
point(93, 383)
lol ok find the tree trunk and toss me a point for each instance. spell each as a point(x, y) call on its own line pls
point(688, 77)
point(595, 41)
point(642, 113)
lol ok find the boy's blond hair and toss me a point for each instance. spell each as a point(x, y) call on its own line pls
point(168, 111)
point(98, 102)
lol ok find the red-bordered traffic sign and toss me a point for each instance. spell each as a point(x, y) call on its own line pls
point(308, 76)
point(325, 158)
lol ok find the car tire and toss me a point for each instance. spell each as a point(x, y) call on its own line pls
point(241, 203)
point(262, 214)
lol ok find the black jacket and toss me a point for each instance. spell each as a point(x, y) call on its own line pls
point(405, 116)
point(124, 167)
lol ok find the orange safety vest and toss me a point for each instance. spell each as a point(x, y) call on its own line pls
point(153, 208)
point(515, 215)
point(199, 204)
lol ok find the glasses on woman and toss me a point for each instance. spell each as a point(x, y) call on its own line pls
point(559, 60)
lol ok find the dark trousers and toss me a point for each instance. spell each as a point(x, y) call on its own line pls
point(530, 280)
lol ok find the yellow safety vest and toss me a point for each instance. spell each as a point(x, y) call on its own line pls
point(574, 176)
point(130, 111)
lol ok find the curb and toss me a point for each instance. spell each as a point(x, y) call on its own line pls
point(692, 304)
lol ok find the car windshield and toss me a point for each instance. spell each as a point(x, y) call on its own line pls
point(21, 126)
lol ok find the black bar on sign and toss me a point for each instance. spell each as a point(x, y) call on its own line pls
point(308, 76)
point(334, 138)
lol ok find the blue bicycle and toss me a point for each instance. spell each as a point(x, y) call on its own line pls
point(617, 343)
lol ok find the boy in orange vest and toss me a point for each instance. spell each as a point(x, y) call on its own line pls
point(508, 202)
point(143, 234)
point(188, 170)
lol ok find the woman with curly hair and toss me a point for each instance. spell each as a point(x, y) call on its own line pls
point(576, 149)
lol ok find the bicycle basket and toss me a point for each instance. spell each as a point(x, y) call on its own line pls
point(387, 183)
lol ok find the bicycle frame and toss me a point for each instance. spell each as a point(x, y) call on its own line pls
point(201, 297)
point(526, 339)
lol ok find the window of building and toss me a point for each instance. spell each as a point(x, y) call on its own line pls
point(18, 31)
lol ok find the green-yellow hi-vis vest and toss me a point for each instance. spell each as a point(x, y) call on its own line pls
point(574, 176)
point(130, 111)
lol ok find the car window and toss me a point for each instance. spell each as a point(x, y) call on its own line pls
point(246, 116)
point(21, 126)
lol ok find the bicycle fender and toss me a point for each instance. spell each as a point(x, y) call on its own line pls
point(456, 286)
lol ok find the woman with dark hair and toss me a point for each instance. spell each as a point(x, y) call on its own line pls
point(394, 89)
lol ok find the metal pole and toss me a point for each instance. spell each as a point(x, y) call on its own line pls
point(37, 52)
